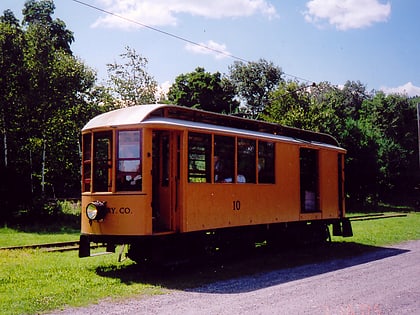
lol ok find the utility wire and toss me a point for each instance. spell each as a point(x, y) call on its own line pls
point(178, 37)
point(162, 32)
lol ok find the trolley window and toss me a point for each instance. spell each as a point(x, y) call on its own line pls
point(129, 176)
point(102, 163)
point(246, 161)
point(87, 162)
point(199, 153)
point(266, 162)
point(224, 159)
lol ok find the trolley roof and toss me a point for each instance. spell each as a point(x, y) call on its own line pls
point(142, 113)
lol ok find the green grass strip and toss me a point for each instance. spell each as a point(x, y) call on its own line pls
point(32, 281)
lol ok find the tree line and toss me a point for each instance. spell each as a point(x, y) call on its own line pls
point(47, 95)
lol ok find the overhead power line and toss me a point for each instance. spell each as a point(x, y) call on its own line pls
point(160, 31)
point(177, 36)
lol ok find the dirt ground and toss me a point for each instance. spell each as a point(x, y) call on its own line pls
point(386, 281)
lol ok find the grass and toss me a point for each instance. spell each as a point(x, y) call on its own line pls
point(15, 237)
point(32, 281)
point(61, 226)
point(387, 231)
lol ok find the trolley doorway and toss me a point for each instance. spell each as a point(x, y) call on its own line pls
point(165, 177)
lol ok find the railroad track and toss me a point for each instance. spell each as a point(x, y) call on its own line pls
point(74, 245)
point(376, 216)
point(48, 247)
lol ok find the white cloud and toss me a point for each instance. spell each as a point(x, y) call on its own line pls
point(211, 47)
point(164, 12)
point(162, 90)
point(347, 14)
point(407, 89)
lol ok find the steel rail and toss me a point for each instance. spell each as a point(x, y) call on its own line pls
point(72, 245)
point(376, 216)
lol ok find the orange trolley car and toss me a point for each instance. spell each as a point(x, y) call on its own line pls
point(166, 177)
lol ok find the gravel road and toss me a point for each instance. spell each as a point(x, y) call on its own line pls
point(386, 281)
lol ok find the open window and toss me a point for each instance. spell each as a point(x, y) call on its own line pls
point(266, 162)
point(102, 161)
point(87, 162)
point(246, 160)
point(224, 159)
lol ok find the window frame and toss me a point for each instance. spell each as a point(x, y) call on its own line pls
point(199, 156)
point(128, 160)
point(224, 149)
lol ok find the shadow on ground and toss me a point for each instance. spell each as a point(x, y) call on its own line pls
point(262, 267)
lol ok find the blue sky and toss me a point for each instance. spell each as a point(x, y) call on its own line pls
point(372, 41)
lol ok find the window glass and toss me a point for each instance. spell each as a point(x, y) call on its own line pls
point(199, 152)
point(266, 162)
point(224, 158)
point(129, 176)
point(246, 161)
point(86, 163)
point(102, 163)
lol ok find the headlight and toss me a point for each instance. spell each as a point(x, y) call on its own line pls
point(96, 210)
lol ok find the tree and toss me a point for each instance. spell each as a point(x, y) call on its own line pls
point(13, 76)
point(62, 130)
point(391, 120)
point(253, 82)
point(12, 98)
point(43, 105)
point(49, 61)
point(130, 81)
point(203, 90)
point(40, 13)
point(290, 105)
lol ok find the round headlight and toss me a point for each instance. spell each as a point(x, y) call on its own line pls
point(96, 210)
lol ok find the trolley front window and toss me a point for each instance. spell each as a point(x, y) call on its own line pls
point(129, 176)
point(102, 161)
point(87, 162)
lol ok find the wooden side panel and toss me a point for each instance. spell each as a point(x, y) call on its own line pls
point(127, 215)
point(328, 184)
point(288, 178)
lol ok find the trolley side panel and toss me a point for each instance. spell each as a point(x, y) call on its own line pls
point(127, 215)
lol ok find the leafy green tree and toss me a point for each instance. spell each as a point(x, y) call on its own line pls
point(391, 119)
point(43, 105)
point(39, 13)
point(203, 90)
point(12, 99)
point(254, 81)
point(130, 82)
point(12, 78)
point(47, 48)
point(290, 105)
point(62, 130)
